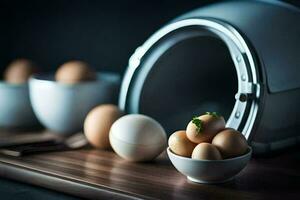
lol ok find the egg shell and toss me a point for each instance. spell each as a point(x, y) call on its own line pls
point(98, 122)
point(137, 137)
point(180, 144)
point(206, 151)
point(19, 71)
point(231, 143)
point(74, 72)
point(210, 127)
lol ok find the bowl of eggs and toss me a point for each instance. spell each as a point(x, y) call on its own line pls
point(62, 101)
point(15, 108)
point(207, 152)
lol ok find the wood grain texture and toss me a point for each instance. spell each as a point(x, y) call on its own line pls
point(96, 174)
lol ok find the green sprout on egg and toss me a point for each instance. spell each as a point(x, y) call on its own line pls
point(198, 123)
point(214, 114)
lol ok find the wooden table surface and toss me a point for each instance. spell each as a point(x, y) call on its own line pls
point(96, 174)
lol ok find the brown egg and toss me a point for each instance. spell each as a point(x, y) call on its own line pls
point(19, 71)
point(231, 143)
point(205, 127)
point(206, 151)
point(180, 144)
point(98, 122)
point(73, 72)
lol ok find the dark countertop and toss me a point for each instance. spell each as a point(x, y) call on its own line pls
point(15, 190)
point(96, 174)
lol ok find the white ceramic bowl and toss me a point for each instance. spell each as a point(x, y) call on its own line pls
point(63, 107)
point(209, 171)
point(15, 108)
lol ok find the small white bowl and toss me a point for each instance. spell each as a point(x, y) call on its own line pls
point(15, 109)
point(209, 171)
point(63, 107)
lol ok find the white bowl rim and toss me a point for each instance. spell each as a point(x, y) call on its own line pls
point(36, 77)
point(5, 84)
point(223, 160)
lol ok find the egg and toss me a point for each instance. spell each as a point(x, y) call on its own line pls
point(98, 122)
point(180, 144)
point(231, 143)
point(205, 127)
point(74, 72)
point(206, 151)
point(137, 137)
point(19, 71)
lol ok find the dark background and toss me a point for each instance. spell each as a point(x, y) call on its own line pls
point(103, 33)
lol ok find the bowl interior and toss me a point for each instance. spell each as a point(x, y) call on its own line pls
point(249, 151)
point(101, 76)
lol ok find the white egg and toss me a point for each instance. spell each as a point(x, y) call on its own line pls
point(137, 137)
